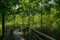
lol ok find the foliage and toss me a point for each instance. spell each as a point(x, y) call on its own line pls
point(18, 11)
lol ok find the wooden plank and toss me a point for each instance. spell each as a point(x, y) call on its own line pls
point(18, 35)
point(6, 35)
point(40, 33)
point(37, 37)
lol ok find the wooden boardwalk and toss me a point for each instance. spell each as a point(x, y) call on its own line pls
point(18, 35)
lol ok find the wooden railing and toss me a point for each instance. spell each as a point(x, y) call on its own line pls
point(8, 35)
point(40, 36)
point(36, 35)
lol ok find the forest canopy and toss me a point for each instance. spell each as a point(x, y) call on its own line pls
point(18, 11)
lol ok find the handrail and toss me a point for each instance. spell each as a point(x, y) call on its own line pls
point(38, 37)
point(7, 35)
point(42, 34)
point(34, 37)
